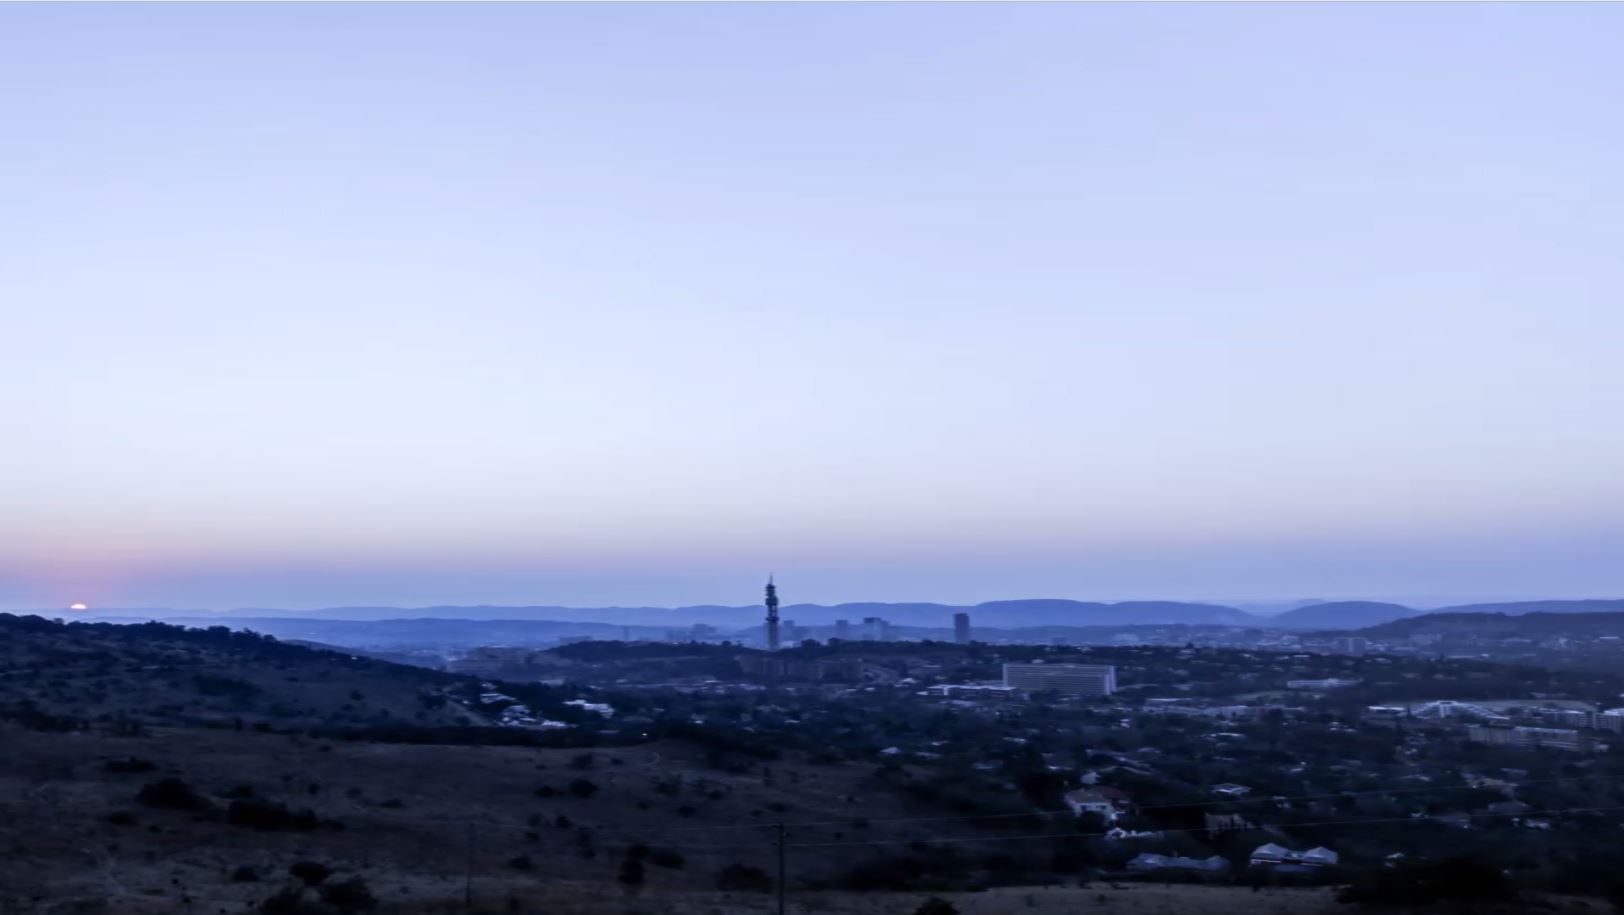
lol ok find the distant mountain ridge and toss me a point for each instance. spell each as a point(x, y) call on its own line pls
point(1538, 624)
point(1518, 608)
point(606, 622)
point(1028, 612)
point(1348, 614)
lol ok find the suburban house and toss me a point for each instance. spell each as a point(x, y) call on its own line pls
point(1118, 834)
point(1286, 861)
point(1105, 802)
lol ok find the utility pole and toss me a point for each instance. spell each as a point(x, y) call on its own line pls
point(468, 875)
point(778, 839)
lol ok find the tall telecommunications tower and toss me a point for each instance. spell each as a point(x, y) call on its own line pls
point(772, 615)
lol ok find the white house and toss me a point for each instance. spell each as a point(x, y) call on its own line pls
point(1285, 859)
point(1092, 800)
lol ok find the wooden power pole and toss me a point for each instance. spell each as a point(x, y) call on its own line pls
point(778, 830)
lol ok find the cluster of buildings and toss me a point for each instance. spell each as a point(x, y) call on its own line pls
point(1610, 720)
point(1326, 683)
point(1567, 739)
point(1021, 680)
point(1269, 856)
point(699, 632)
point(1491, 726)
point(773, 667)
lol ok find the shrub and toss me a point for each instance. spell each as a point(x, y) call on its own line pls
point(129, 765)
point(311, 873)
point(583, 788)
point(664, 857)
point(269, 816)
point(244, 874)
point(632, 872)
point(350, 895)
point(170, 794)
point(743, 878)
point(285, 902)
point(935, 905)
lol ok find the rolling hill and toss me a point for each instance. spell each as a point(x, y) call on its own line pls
point(1353, 614)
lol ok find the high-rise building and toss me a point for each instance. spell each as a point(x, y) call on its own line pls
point(842, 629)
point(772, 615)
point(1351, 644)
point(961, 628)
point(876, 629)
point(1071, 679)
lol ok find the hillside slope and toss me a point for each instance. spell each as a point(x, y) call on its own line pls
point(1539, 606)
point(158, 674)
point(1352, 614)
point(1503, 625)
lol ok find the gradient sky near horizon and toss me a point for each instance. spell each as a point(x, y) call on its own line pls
point(309, 305)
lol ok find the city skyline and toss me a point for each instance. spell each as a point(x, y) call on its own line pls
point(593, 305)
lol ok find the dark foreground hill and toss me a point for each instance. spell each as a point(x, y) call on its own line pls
point(93, 674)
point(149, 769)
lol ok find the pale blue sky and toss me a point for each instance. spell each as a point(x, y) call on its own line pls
point(309, 305)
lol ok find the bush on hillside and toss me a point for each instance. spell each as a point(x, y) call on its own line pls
point(743, 878)
point(269, 816)
point(171, 794)
point(311, 873)
point(349, 895)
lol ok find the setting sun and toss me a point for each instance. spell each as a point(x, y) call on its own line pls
point(77, 607)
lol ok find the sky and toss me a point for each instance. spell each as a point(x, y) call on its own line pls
point(309, 305)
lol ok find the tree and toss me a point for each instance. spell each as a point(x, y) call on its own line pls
point(632, 872)
point(936, 905)
point(170, 794)
point(351, 895)
point(743, 878)
point(311, 872)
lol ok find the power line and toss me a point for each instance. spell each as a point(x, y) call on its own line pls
point(1270, 799)
point(810, 824)
point(1413, 820)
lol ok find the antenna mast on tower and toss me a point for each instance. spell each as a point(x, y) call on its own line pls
point(772, 615)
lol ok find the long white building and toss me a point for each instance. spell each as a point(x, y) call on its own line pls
point(1070, 679)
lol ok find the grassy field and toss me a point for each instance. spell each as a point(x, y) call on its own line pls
point(418, 823)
